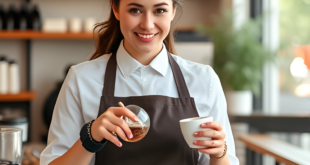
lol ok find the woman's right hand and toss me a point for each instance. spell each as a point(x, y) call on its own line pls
point(110, 121)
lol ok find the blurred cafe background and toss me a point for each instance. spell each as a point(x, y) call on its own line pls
point(259, 48)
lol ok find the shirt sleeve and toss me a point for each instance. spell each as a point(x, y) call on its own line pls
point(217, 102)
point(67, 121)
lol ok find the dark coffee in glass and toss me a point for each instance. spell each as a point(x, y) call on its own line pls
point(139, 129)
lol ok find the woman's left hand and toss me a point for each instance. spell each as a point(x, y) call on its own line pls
point(215, 146)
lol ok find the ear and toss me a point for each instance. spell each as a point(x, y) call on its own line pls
point(116, 14)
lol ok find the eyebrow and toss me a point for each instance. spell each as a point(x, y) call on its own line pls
point(139, 5)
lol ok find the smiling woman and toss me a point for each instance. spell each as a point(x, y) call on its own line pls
point(139, 22)
point(133, 64)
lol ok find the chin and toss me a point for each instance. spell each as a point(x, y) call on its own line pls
point(147, 47)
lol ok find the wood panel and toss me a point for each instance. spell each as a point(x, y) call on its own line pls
point(28, 34)
point(23, 96)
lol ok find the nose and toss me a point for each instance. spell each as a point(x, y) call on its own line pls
point(147, 22)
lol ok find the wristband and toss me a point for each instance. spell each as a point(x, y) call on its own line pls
point(88, 142)
point(224, 153)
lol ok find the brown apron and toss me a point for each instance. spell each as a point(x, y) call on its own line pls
point(164, 144)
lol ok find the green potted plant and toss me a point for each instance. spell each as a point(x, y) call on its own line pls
point(238, 59)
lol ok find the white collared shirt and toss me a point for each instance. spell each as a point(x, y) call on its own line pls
point(79, 98)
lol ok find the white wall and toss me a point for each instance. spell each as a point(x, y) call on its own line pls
point(203, 51)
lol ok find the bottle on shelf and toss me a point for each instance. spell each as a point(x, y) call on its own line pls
point(2, 18)
point(24, 18)
point(36, 22)
point(14, 83)
point(12, 19)
point(3, 75)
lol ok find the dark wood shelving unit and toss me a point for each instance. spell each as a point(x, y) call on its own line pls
point(23, 99)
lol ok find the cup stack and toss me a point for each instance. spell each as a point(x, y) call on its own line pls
point(9, 77)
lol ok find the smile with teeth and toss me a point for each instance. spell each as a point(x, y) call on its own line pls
point(146, 36)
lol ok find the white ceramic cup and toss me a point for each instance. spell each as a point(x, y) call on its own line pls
point(75, 25)
point(89, 24)
point(190, 126)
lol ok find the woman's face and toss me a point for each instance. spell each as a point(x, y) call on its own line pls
point(145, 23)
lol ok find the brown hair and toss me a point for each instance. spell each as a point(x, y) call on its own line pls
point(109, 34)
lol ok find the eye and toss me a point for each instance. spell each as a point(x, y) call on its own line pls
point(161, 10)
point(135, 10)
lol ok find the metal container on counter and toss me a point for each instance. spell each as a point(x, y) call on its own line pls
point(18, 122)
point(10, 146)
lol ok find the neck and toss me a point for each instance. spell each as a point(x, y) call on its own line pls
point(142, 57)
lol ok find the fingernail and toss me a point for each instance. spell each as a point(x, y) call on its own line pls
point(196, 133)
point(195, 142)
point(130, 136)
point(203, 125)
point(120, 144)
point(136, 118)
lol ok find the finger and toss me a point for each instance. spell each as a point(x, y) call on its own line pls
point(120, 111)
point(122, 124)
point(107, 135)
point(26, 162)
point(210, 133)
point(114, 128)
point(213, 125)
point(211, 151)
point(209, 143)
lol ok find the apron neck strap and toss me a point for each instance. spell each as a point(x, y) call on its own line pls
point(178, 78)
point(110, 76)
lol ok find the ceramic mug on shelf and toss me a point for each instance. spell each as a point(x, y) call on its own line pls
point(75, 25)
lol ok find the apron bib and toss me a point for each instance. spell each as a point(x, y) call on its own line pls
point(164, 144)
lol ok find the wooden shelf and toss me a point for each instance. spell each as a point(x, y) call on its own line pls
point(185, 29)
point(28, 34)
point(22, 96)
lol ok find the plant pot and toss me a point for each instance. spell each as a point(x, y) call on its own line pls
point(239, 102)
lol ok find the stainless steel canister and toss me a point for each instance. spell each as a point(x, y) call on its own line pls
point(10, 145)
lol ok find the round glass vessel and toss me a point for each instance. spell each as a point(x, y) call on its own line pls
point(139, 129)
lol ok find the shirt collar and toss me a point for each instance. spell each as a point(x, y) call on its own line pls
point(128, 64)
